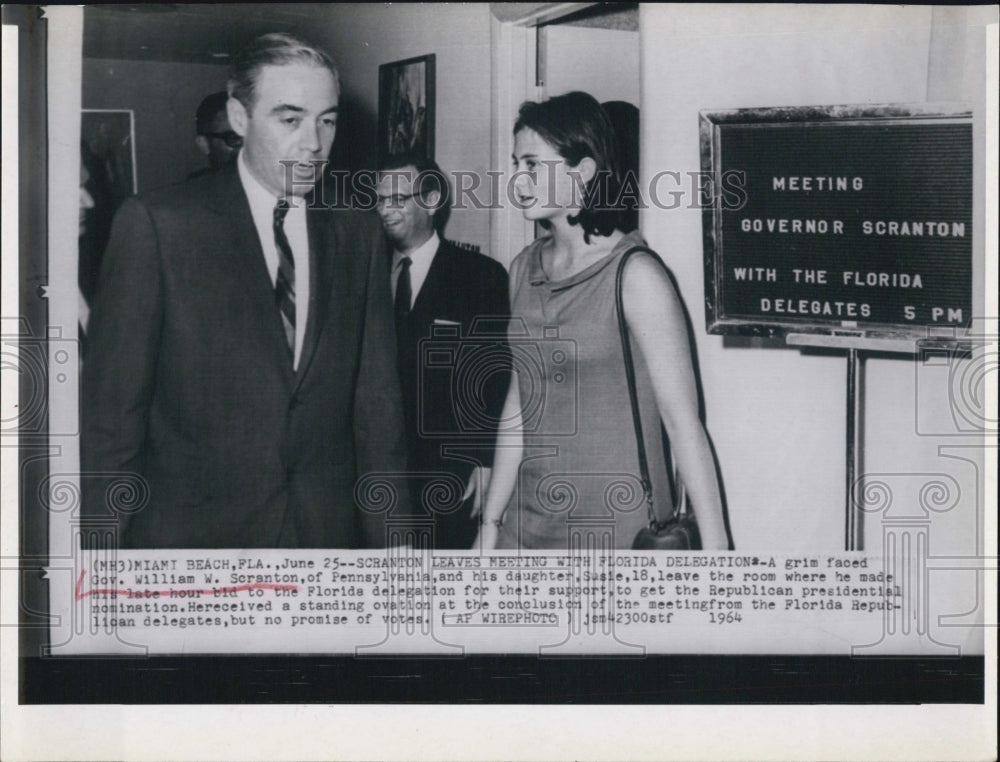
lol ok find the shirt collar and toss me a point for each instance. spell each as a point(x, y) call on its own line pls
point(422, 255)
point(260, 198)
point(538, 277)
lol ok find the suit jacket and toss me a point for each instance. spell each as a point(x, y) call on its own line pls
point(189, 383)
point(454, 364)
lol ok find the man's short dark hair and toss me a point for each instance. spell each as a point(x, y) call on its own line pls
point(210, 107)
point(429, 178)
point(275, 49)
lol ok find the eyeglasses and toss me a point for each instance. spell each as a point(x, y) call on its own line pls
point(395, 200)
point(232, 139)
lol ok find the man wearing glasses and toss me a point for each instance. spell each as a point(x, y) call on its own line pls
point(241, 375)
point(451, 312)
point(215, 137)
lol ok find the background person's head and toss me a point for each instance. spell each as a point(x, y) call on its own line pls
point(576, 129)
point(86, 200)
point(215, 138)
point(413, 199)
point(97, 205)
point(284, 94)
point(624, 117)
point(97, 209)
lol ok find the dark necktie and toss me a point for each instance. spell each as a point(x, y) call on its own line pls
point(284, 286)
point(404, 294)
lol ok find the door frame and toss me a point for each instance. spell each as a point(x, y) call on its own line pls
point(514, 78)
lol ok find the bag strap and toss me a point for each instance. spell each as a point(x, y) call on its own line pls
point(647, 485)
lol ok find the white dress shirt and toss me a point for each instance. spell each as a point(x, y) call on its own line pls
point(420, 263)
point(262, 203)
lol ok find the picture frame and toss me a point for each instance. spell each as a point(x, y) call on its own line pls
point(406, 106)
point(883, 143)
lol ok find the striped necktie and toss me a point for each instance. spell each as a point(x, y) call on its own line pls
point(284, 286)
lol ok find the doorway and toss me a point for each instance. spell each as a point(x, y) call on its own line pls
point(548, 51)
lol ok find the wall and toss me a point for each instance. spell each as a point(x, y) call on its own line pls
point(164, 97)
point(777, 415)
point(576, 58)
point(362, 36)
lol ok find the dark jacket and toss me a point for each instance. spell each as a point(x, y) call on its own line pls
point(188, 380)
point(454, 364)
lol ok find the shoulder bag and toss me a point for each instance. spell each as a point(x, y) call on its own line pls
point(679, 531)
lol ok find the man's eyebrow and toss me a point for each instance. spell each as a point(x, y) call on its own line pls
point(523, 156)
point(282, 108)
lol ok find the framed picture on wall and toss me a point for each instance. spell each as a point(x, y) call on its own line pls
point(406, 106)
point(109, 136)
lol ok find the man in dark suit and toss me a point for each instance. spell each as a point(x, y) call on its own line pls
point(241, 357)
point(452, 309)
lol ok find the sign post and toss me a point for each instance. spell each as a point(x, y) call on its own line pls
point(845, 227)
point(853, 531)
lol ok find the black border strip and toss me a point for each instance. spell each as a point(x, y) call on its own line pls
point(32, 321)
point(504, 680)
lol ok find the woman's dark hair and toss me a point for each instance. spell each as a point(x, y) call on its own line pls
point(576, 126)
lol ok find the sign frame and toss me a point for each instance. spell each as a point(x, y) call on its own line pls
point(890, 337)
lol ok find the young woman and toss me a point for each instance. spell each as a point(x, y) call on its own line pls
point(570, 444)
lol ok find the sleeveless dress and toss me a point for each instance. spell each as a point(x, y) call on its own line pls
point(580, 469)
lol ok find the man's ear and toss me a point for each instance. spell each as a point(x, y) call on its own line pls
point(432, 200)
point(202, 142)
point(238, 116)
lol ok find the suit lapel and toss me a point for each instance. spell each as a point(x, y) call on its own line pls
point(322, 254)
point(246, 259)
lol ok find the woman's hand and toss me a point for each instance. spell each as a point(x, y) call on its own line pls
point(489, 535)
point(503, 478)
point(479, 480)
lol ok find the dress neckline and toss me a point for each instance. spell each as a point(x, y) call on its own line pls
point(538, 277)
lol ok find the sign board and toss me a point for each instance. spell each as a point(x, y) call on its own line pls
point(841, 219)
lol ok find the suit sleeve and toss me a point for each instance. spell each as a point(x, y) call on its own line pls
point(379, 438)
point(119, 367)
point(495, 301)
